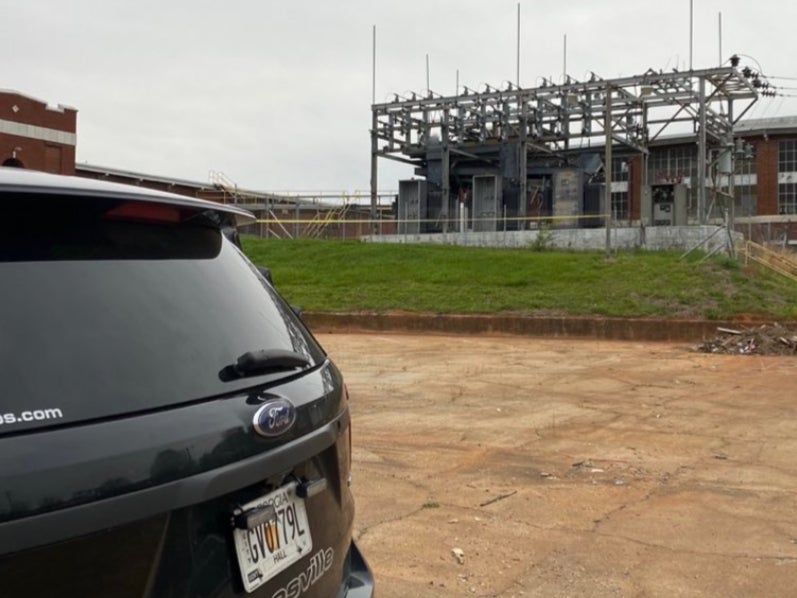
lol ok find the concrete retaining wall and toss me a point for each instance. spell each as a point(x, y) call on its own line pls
point(627, 329)
point(591, 239)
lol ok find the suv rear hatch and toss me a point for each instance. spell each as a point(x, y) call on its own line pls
point(131, 348)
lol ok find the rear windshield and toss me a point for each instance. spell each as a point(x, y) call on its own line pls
point(107, 308)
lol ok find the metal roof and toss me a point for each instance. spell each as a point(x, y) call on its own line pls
point(777, 124)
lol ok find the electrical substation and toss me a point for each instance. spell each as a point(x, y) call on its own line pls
point(520, 158)
point(501, 165)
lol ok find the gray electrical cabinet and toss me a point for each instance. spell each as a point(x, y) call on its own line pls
point(668, 203)
point(568, 196)
point(486, 202)
point(411, 206)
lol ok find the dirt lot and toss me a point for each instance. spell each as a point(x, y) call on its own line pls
point(571, 468)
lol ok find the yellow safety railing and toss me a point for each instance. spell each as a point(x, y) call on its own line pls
point(321, 221)
point(774, 260)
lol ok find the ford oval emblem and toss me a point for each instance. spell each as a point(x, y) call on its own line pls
point(275, 417)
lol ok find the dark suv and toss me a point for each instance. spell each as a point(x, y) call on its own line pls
point(168, 426)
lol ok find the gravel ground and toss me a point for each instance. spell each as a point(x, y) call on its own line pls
point(513, 466)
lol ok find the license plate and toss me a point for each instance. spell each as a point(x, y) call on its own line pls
point(271, 547)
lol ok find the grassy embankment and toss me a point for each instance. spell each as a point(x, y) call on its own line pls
point(336, 276)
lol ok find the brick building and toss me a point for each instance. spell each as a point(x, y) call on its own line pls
point(37, 135)
point(774, 171)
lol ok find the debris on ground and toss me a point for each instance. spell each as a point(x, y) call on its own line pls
point(768, 339)
point(499, 497)
point(459, 554)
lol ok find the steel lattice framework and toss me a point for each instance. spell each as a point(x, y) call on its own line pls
point(555, 122)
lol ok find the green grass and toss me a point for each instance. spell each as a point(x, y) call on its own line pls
point(336, 276)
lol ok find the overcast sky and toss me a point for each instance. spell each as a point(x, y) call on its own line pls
point(276, 94)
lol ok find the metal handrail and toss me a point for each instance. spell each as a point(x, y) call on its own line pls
point(773, 260)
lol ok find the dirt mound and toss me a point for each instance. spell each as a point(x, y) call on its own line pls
point(768, 339)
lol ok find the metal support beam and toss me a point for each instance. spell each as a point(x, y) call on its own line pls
point(607, 166)
point(701, 156)
point(445, 167)
point(643, 217)
point(732, 188)
point(414, 163)
point(523, 165)
point(460, 152)
point(374, 175)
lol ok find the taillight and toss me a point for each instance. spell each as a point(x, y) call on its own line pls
point(145, 212)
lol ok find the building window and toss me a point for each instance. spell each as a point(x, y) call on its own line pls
point(787, 177)
point(787, 156)
point(787, 198)
point(672, 166)
point(620, 205)
point(620, 169)
point(620, 173)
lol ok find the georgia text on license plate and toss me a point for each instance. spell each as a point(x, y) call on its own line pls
point(273, 546)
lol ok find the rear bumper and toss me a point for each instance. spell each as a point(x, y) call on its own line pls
point(361, 580)
point(55, 526)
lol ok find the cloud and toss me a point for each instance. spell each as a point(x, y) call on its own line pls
point(276, 94)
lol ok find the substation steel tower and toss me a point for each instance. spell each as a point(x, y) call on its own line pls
point(510, 131)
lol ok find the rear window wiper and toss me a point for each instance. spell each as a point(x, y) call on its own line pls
point(264, 361)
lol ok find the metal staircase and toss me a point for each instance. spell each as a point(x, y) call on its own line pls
point(327, 213)
point(231, 193)
point(228, 188)
point(316, 227)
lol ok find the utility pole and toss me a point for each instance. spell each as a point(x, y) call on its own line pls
point(373, 67)
point(691, 30)
point(427, 74)
point(517, 74)
point(374, 141)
